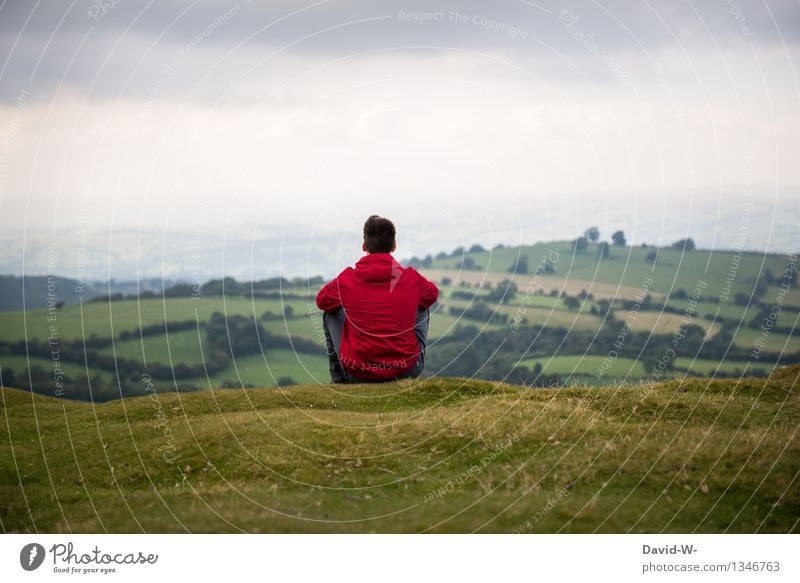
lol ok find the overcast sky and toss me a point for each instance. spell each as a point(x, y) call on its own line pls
point(180, 114)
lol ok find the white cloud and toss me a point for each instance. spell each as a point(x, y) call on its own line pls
point(439, 127)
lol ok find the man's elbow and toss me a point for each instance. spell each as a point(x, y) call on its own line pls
point(434, 295)
point(324, 300)
point(328, 304)
point(428, 301)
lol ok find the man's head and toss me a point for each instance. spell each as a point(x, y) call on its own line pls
point(379, 235)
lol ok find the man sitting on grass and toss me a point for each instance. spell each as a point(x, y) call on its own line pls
point(376, 315)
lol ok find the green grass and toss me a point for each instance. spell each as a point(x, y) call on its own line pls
point(266, 369)
point(109, 319)
point(299, 327)
point(621, 276)
point(260, 370)
point(789, 320)
point(706, 367)
point(19, 364)
point(792, 297)
point(774, 341)
point(442, 323)
point(726, 309)
point(622, 368)
point(182, 347)
point(442, 455)
point(666, 323)
point(534, 314)
point(588, 364)
point(106, 320)
point(627, 266)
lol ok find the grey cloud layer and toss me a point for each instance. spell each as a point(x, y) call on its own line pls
point(99, 43)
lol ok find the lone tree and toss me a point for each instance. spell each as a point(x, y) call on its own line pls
point(503, 293)
point(468, 264)
point(679, 294)
point(618, 238)
point(603, 251)
point(476, 249)
point(580, 244)
point(651, 257)
point(572, 303)
point(684, 245)
point(520, 266)
point(593, 234)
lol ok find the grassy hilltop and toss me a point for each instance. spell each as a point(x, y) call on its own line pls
point(441, 455)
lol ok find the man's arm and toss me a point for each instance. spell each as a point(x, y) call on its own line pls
point(329, 298)
point(428, 294)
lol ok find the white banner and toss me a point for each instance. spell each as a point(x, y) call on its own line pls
point(400, 558)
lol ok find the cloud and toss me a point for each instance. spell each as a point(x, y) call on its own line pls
point(136, 112)
point(103, 48)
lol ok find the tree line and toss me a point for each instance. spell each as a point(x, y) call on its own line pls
point(227, 338)
point(494, 354)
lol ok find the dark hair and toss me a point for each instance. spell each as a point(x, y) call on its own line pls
point(379, 235)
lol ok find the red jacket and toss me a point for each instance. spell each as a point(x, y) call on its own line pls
point(380, 298)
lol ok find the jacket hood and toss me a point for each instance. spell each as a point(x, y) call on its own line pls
point(378, 267)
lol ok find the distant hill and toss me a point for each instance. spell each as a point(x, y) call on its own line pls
point(441, 455)
point(545, 314)
point(619, 273)
point(38, 291)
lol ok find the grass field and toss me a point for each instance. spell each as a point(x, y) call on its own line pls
point(624, 275)
point(186, 347)
point(266, 369)
point(534, 315)
point(589, 365)
point(746, 337)
point(19, 363)
point(706, 367)
point(792, 298)
point(261, 370)
point(183, 347)
point(666, 323)
point(625, 268)
point(569, 285)
point(109, 319)
point(443, 455)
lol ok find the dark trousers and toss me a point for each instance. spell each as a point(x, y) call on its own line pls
point(333, 325)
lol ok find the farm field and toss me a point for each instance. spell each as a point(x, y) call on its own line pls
point(705, 367)
point(589, 364)
point(777, 341)
point(626, 268)
point(574, 309)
